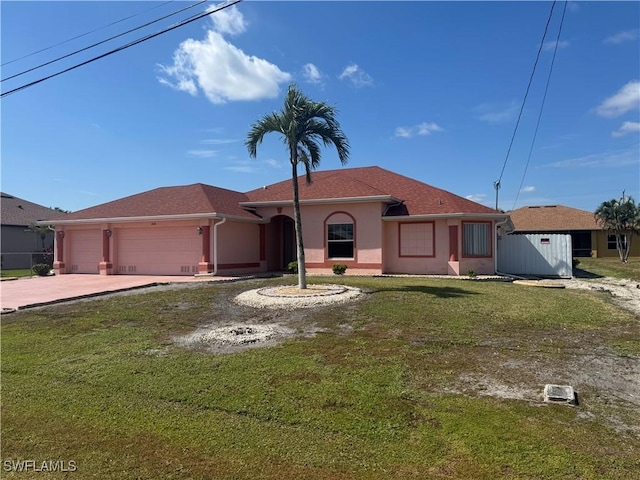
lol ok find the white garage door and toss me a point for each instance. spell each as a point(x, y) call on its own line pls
point(85, 250)
point(158, 251)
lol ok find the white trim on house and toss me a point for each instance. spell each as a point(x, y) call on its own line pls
point(436, 216)
point(151, 218)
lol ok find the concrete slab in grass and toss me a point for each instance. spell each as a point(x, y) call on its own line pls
point(563, 394)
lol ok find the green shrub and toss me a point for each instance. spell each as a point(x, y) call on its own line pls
point(292, 267)
point(575, 262)
point(41, 269)
point(471, 273)
point(339, 268)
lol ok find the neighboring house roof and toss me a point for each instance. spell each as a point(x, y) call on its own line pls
point(552, 218)
point(358, 183)
point(180, 201)
point(405, 196)
point(20, 212)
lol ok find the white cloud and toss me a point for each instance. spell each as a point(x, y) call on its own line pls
point(357, 76)
point(272, 163)
point(202, 153)
point(218, 141)
point(496, 113)
point(219, 69)
point(627, 98)
point(621, 37)
point(476, 197)
point(600, 160)
point(241, 169)
point(551, 45)
point(626, 128)
point(422, 129)
point(573, 7)
point(229, 20)
point(528, 189)
point(250, 166)
point(311, 73)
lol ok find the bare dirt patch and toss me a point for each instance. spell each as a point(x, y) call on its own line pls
point(625, 293)
point(263, 317)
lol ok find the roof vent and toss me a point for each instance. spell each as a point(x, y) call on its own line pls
point(264, 188)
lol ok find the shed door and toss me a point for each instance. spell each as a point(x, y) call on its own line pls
point(85, 250)
point(158, 251)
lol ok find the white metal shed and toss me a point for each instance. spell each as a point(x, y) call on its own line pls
point(536, 254)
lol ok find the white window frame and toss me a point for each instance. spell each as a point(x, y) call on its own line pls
point(334, 241)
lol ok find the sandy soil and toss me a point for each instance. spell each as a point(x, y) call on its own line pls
point(625, 293)
point(607, 383)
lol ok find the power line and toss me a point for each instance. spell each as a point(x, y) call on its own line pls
point(544, 97)
point(85, 34)
point(124, 47)
point(497, 183)
point(103, 41)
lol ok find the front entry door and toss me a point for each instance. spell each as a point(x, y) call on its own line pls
point(288, 242)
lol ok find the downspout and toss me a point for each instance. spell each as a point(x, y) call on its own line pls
point(215, 245)
point(384, 214)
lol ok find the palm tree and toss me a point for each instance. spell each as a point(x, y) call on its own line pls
point(302, 123)
point(622, 219)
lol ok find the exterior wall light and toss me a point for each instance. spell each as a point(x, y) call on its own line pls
point(108, 232)
point(61, 234)
point(199, 229)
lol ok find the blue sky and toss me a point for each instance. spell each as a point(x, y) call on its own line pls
point(431, 90)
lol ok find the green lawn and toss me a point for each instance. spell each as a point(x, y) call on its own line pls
point(23, 272)
point(401, 384)
point(611, 267)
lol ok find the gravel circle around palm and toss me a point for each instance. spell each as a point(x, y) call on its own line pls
point(291, 297)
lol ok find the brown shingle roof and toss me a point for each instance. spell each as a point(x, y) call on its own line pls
point(552, 218)
point(16, 211)
point(180, 200)
point(419, 198)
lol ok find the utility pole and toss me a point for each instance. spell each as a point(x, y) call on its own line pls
point(496, 185)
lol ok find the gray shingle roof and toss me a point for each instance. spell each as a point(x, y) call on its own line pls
point(17, 211)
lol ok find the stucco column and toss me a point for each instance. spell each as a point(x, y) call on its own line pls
point(205, 265)
point(453, 243)
point(453, 266)
point(263, 242)
point(58, 264)
point(105, 266)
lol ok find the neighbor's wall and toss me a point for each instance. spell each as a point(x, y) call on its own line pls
point(600, 245)
point(18, 243)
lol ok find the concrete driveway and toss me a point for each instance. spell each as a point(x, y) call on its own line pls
point(36, 291)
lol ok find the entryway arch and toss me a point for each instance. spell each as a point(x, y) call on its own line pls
point(281, 242)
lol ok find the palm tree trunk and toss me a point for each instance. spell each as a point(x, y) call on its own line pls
point(302, 274)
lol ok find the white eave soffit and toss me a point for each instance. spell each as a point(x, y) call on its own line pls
point(437, 216)
point(151, 218)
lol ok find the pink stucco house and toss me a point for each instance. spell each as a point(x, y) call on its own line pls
point(373, 220)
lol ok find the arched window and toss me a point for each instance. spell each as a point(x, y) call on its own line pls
point(340, 231)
